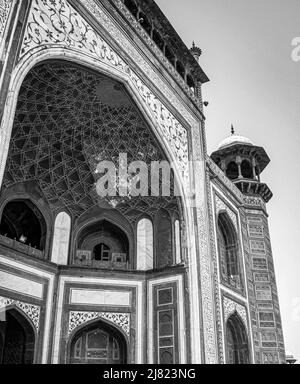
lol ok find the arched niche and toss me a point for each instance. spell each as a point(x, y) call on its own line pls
point(247, 169)
point(237, 344)
point(61, 239)
point(145, 245)
point(177, 233)
point(228, 247)
point(232, 170)
point(17, 339)
point(98, 343)
point(22, 221)
point(102, 244)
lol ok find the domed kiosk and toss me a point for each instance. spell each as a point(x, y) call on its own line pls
point(243, 162)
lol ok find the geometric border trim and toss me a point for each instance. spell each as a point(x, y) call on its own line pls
point(32, 311)
point(5, 6)
point(122, 320)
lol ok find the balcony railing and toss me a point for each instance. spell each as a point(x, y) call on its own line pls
point(21, 247)
point(116, 261)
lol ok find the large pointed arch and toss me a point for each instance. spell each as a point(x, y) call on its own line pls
point(98, 342)
point(237, 342)
point(228, 247)
point(40, 54)
point(18, 336)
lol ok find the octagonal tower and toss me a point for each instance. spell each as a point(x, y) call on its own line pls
point(243, 163)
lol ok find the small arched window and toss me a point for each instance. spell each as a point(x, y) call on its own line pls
point(102, 245)
point(145, 245)
point(247, 171)
point(228, 251)
point(23, 222)
point(232, 171)
point(237, 341)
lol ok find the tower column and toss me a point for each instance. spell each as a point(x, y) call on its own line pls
point(239, 164)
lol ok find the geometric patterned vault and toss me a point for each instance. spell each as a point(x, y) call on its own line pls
point(67, 116)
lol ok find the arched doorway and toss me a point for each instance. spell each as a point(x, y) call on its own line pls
point(237, 341)
point(98, 343)
point(17, 340)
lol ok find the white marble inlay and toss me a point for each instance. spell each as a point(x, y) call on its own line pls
point(19, 284)
point(61, 239)
point(100, 297)
point(145, 245)
point(177, 242)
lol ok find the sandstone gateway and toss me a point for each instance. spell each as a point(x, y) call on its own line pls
point(122, 279)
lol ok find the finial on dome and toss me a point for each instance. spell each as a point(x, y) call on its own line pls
point(232, 130)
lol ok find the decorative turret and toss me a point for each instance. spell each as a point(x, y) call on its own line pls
point(243, 163)
point(196, 52)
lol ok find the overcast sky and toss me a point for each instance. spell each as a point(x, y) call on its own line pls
point(255, 84)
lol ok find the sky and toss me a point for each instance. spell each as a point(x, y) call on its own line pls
point(255, 85)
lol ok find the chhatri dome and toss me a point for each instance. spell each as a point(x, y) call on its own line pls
point(243, 162)
point(234, 139)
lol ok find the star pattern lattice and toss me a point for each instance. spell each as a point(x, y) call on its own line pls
point(67, 117)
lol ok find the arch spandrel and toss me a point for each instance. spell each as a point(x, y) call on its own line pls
point(231, 307)
point(77, 319)
point(32, 312)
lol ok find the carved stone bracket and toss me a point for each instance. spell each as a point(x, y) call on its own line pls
point(32, 311)
point(122, 320)
point(230, 307)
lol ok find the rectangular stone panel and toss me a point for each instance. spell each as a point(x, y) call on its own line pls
point(21, 285)
point(100, 297)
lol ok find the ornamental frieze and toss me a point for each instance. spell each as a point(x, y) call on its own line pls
point(222, 206)
point(32, 311)
point(122, 320)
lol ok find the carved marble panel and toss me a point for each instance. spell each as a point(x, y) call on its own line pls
point(32, 311)
point(5, 6)
point(230, 307)
point(122, 320)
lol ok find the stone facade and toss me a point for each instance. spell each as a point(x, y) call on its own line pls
point(177, 312)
